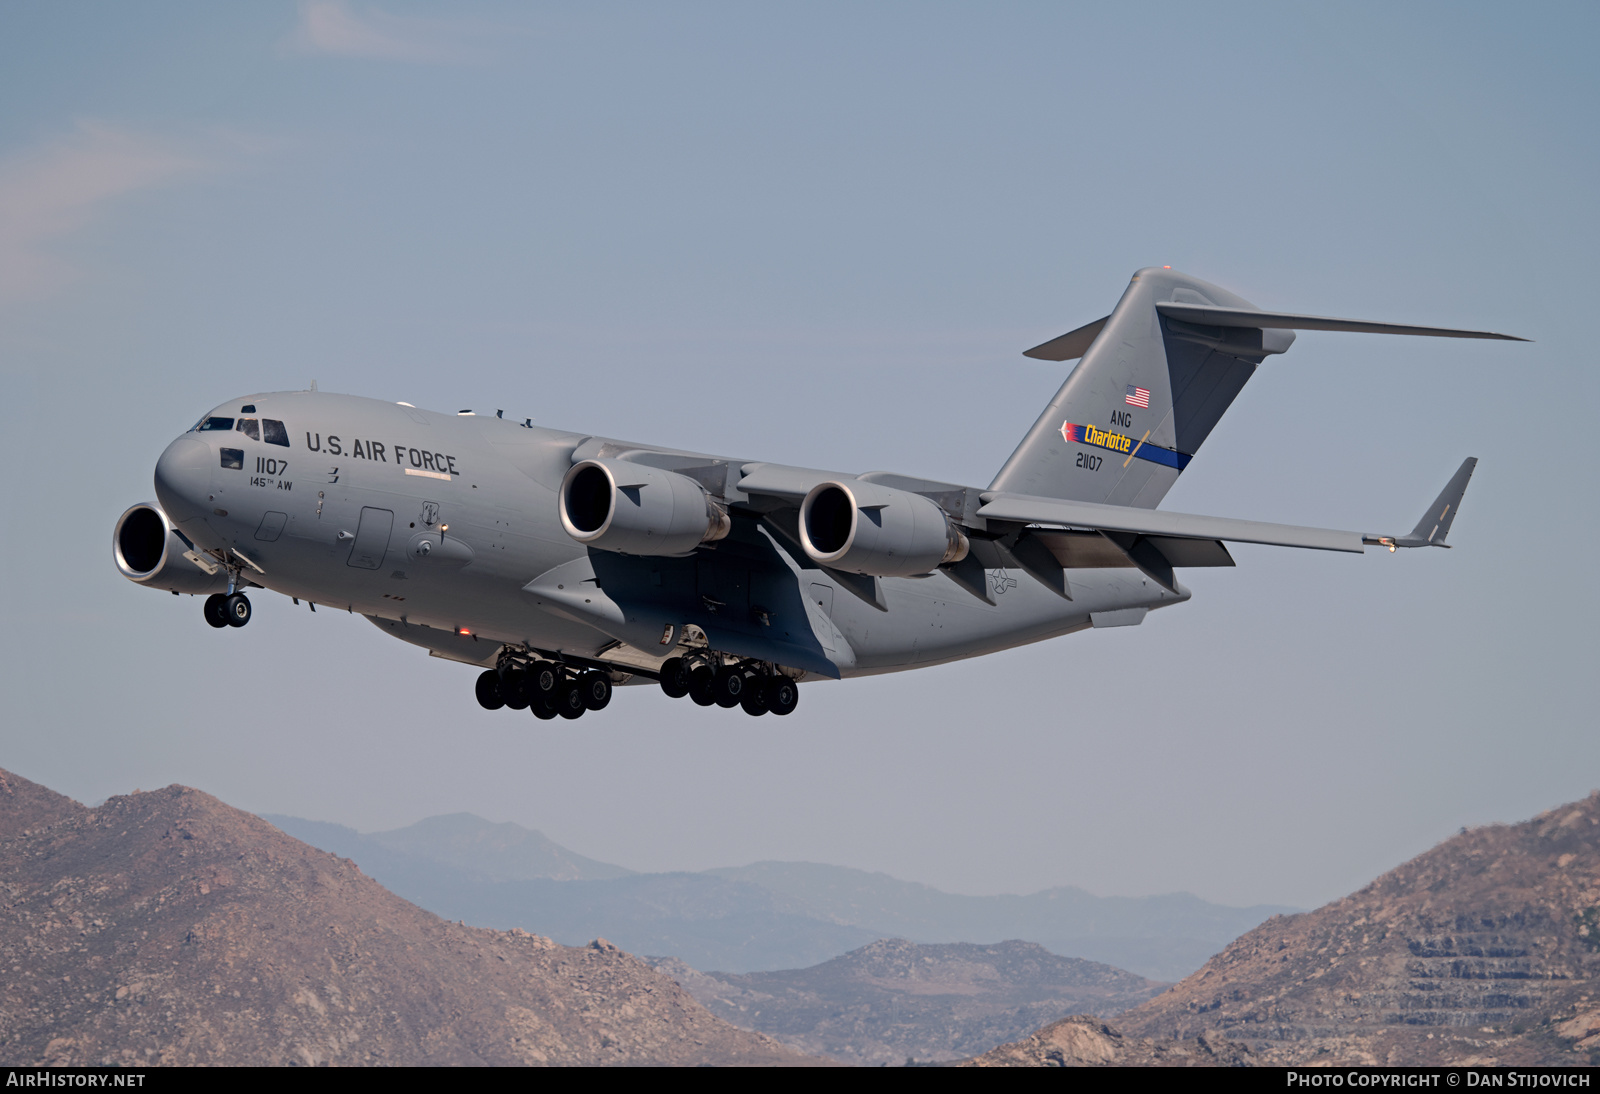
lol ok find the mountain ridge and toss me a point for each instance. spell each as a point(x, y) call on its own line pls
point(1483, 951)
point(892, 999)
point(772, 915)
point(167, 928)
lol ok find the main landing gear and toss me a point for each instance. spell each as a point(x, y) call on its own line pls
point(551, 689)
point(754, 686)
point(546, 688)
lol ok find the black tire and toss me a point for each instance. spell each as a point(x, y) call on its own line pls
point(596, 687)
point(236, 609)
point(675, 677)
point(215, 610)
point(514, 690)
point(728, 687)
point(570, 701)
point(754, 699)
point(543, 709)
point(701, 681)
point(544, 678)
point(488, 689)
point(782, 695)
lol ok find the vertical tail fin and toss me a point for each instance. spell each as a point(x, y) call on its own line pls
point(1145, 396)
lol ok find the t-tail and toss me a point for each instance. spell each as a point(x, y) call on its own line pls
point(1155, 378)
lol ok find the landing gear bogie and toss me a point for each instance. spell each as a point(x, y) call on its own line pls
point(756, 687)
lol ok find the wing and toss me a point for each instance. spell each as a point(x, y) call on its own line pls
point(1155, 541)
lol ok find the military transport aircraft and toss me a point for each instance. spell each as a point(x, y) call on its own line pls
point(562, 564)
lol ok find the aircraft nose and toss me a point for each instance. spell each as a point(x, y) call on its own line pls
point(183, 477)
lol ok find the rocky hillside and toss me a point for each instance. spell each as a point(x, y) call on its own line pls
point(1484, 949)
point(169, 928)
point(894, 999)
point(1087, 1042)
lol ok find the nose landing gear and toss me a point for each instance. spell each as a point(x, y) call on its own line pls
point(223, 610)
point(232, 608)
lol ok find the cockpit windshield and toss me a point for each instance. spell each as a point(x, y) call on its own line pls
point(269, 430)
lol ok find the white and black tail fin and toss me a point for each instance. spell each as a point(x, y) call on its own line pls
point(1156, 376)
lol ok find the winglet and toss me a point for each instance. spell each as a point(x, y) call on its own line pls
point(1434, 526)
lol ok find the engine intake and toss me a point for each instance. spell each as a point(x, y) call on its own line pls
point(638, 510)
point(149, 551)
point(864, 528)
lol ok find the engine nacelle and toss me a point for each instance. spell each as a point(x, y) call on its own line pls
point(638, 510)
point(864, 528)
point(149, 551)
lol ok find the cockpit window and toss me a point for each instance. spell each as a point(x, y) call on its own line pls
point(216, 423)
point(233, 458)
point(250, 428)
point(272, 432)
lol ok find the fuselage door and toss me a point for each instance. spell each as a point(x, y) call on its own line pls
point(372, 538)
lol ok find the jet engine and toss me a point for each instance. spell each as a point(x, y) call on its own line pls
point(864, 528)
point(637, 510)
point(150, 551)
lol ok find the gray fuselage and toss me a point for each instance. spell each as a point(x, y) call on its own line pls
point(432, 525)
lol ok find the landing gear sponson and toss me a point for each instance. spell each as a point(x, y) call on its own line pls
point(553, 688)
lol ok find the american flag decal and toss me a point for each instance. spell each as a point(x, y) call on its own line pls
point(1137, 396)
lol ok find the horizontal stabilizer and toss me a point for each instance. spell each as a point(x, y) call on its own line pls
point(1435, 523)
point(1212, 316)
point(1070, 346)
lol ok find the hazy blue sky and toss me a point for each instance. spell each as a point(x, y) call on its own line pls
point(822, 234)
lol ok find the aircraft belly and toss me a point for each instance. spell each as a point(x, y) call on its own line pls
point(933, 620)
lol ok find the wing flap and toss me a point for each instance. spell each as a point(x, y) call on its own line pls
point(1028, 509)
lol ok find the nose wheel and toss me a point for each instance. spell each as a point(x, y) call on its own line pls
point(222, 610)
